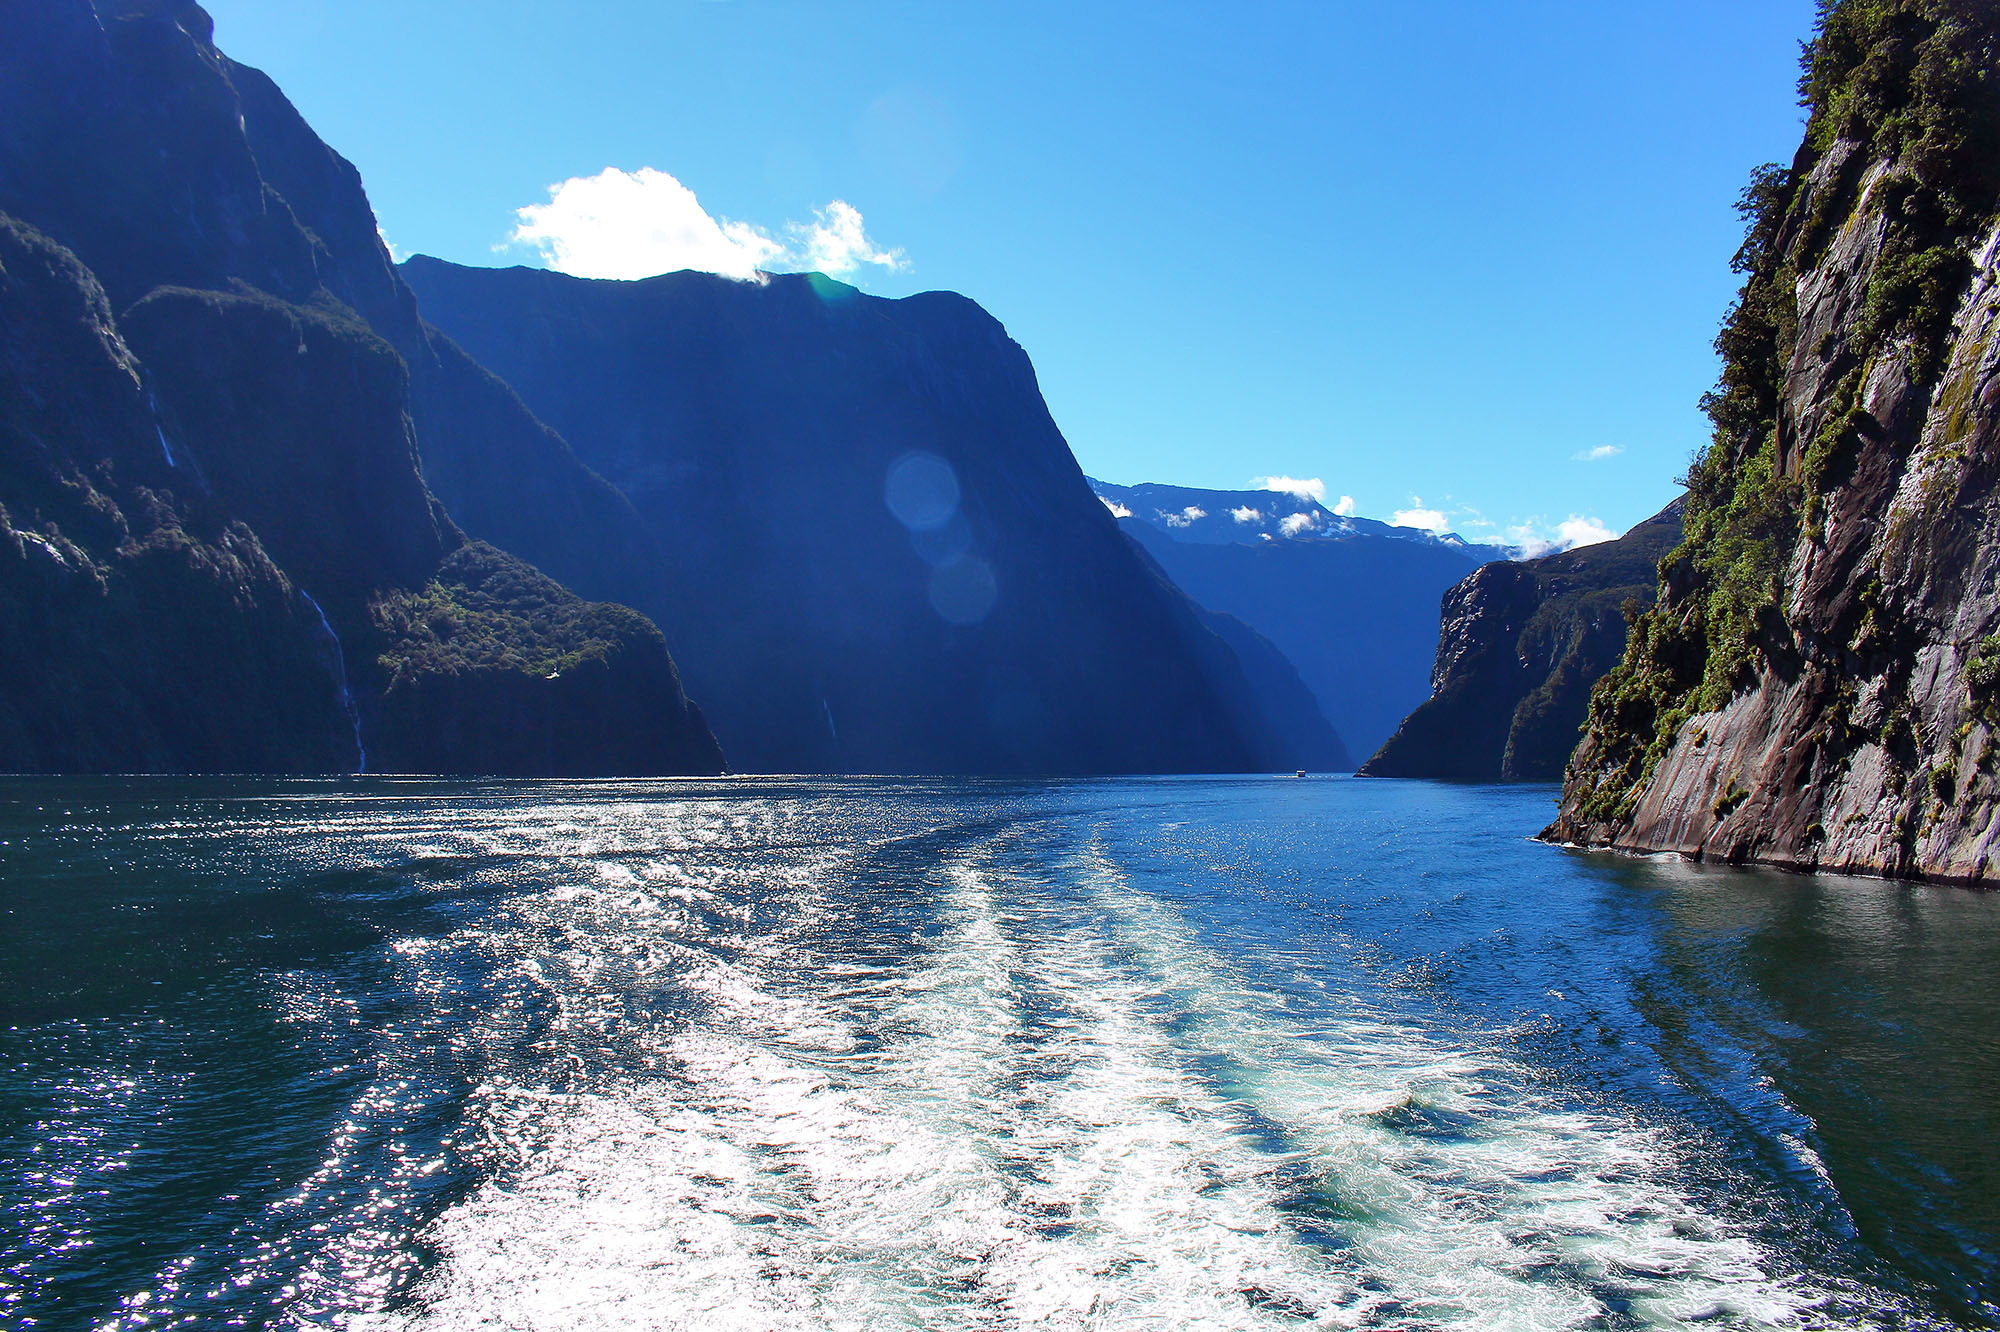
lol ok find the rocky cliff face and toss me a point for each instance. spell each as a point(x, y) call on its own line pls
point(880, 554)
point(141, 626)
point(211, 480)
point(1819, 685)
point(1519, 649)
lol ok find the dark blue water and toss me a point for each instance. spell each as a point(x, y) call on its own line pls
point(1164, 1054)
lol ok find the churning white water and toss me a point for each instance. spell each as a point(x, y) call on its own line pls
point(1007, 1088)
point(791, 1056)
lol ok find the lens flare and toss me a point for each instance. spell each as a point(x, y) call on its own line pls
point(922, 491)
point(964, 592)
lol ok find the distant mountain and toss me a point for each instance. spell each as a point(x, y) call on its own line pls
point(1278, 706)
point(218, 550)
point(877, 552)
point(1521, 647)
point(1283, 704)
point(1250, 517)
point(1352, 603)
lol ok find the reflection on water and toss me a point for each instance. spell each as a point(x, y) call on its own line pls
point(1223, 1054)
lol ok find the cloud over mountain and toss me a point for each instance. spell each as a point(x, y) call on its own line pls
point(635, 224)
point(1310, 488)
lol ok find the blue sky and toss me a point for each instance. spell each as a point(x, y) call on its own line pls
point(1463, 258)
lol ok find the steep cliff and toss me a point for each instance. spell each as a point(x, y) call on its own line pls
point(1519, 649)
point(195, 279)
point(1289, 731)
point(1280, 708)
point(880, 554)
point(130, 138)
point(142, 627)
point(1819, 684)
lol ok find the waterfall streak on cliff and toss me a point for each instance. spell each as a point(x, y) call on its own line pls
point(337, 660)
point(166, 449)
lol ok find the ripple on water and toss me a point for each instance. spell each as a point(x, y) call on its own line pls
point(1061, 1110)
point(808, 1062)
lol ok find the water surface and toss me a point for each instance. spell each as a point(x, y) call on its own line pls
point(1110, 1055)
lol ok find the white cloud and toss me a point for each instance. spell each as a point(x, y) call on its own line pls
point(1577, 531)
point(1535, 538)
point(1191, 514)
point(1346, 506)
point(1598, 454)
point(1311, 488)
point(1117, 510)
point(621, 224)
point(396, 256)
point(1296, 523)
point(1531, 538)
point(1246, 514)
point(837, 243)
point(634, 224)
point(1429, 520)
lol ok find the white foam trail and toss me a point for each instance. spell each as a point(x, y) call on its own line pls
point(1518, 1214)
point(1059, 1111)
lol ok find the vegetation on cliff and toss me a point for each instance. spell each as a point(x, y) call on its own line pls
point(579, 683)
point(142, 626)
point(1520, 648)
point(1839, 356)
point(209, 472)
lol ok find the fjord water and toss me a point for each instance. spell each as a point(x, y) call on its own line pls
point(768, 1054)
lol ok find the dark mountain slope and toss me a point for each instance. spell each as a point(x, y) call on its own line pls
point(1521, 646)
point(1284, 708)
point(881, 554)
point(1357, 615)
point(1819, 684)
point(160, 161)
point(504, 476)
point(138, 630)
point(281, 419)
point(1277, 708)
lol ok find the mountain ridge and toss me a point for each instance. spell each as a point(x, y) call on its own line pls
point(272, 424)
point(866, 503)
point(1247, 517)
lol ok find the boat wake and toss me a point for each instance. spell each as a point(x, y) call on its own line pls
point(994, 1084)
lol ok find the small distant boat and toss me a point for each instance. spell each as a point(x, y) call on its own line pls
point(1300, 773)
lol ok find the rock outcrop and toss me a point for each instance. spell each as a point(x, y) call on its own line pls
point(214, 503)
point(1819, 685)
point(879, 554)
point(1520, 647)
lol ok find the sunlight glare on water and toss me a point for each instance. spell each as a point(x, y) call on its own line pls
point(877, 1057)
